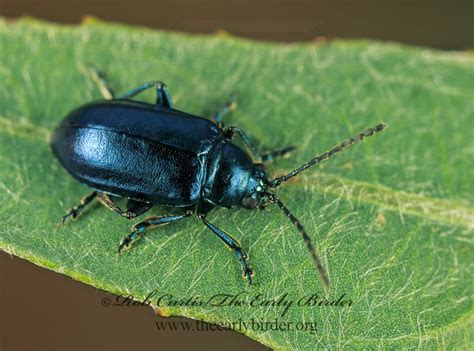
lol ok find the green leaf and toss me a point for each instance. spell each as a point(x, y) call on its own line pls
point(392, 217)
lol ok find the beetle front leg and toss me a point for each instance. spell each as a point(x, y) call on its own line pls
point(134, 208)
point(283, 152)
point(258, 157)
point(138, 230)
point(234, 245)
point(77, 210)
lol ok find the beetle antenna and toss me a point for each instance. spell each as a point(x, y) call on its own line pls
point(306, 239)
point(328, 154)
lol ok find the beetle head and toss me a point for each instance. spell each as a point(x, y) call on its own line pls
point(257, 187)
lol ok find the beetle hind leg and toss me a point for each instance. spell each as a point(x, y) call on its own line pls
point(77, 210)
point(138, 230)
point(134, 208)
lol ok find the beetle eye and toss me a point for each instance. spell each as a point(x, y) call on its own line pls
point(249, 202)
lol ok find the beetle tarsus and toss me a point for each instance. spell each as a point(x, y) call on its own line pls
point(126, 242)
point(77, 210)
point(72, 213)
point(248, 274)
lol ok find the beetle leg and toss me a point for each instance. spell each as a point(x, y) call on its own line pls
point(138, 230)
point(131, 213)
point(234, 245)
point(138, 207)
point(230, 132)
point(229, 106)
point(76, 211)
point(268, 156)
point(283, 152)
point(100, 78)
point(163, 98)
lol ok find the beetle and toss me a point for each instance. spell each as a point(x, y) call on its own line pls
point(154, 154)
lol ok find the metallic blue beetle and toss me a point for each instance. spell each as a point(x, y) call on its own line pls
point(153, 154)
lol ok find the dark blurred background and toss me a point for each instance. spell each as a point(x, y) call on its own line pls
point(435, 23)
point(42, 310)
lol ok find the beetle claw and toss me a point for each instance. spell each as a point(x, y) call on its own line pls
point(248, 273)
point(73, 214)
point(126, 243)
